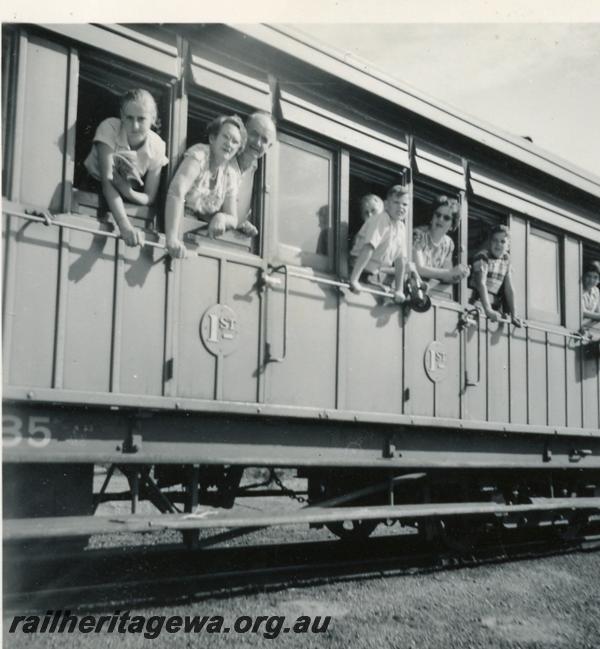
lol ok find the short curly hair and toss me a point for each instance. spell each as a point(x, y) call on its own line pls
point(451, 203)
point(215, 126)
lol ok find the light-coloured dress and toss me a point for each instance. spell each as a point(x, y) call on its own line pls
point(435, 255)
point(202, 199)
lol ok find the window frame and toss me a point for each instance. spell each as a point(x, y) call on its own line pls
point(590, 251)
point(490, 214)
point(10, 61)
point(377, 168)
point(555, 318)
point(208, 104)
point(283, 252)
point(422, 187)
point(128, 73)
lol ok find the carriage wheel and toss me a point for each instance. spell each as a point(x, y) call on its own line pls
point(334, 485)
point(353, 530)
point(576, 523)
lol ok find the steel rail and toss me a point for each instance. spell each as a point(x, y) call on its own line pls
point(159, 576)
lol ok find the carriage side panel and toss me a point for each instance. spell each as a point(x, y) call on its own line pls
point(557, 388)
point(90, 309)
point(30, 303)
point(498, 374)
point(308, 373)
point(476, 342)
point(194, 366)
point(369, 355)
point(448, 390)
point(573, 378)
point(537, 388)
point(141, 326)
point(419, 332)
point(240, 375)
point(518, 376)
point(590, 371)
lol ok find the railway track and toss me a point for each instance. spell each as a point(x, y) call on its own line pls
point(122, 578)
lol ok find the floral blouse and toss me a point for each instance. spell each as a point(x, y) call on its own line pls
point(435, 255)
point(202, 199)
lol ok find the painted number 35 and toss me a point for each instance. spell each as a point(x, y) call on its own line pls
point(36, 433)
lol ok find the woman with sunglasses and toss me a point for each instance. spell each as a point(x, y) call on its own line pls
point(433, 248)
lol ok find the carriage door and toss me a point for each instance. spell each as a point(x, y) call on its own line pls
point(433, 339)
point(216, 337)
point(300, 361)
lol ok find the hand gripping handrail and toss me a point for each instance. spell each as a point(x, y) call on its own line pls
point(44, 216)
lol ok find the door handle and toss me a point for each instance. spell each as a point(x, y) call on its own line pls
point(464, 322)
point(268, 280)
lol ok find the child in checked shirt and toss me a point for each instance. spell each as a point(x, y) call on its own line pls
point(491, 278)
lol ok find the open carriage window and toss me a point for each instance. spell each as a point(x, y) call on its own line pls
point(368, 179)
point(590, 286)
point(222, 84)
point(202, 110)
point(482, 218)
point(305, 208)
point(98, 98)
point(440, 255)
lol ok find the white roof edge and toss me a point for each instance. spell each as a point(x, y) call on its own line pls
point(370, 78)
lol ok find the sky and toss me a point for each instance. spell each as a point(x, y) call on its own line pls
point(528, 67)
point(540, 80)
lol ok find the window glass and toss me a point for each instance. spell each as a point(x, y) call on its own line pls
point(304, 204)
point(544, 276)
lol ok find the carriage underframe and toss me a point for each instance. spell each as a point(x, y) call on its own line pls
point(189, 466)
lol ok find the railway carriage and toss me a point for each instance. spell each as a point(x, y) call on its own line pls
point(252, 352)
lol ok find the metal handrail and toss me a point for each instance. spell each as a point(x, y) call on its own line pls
point(525, 324)
point(317, 280)
point(466, 321)
point(568, 334)
point(269, 358)
point(342, 285)
point(71, 226)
